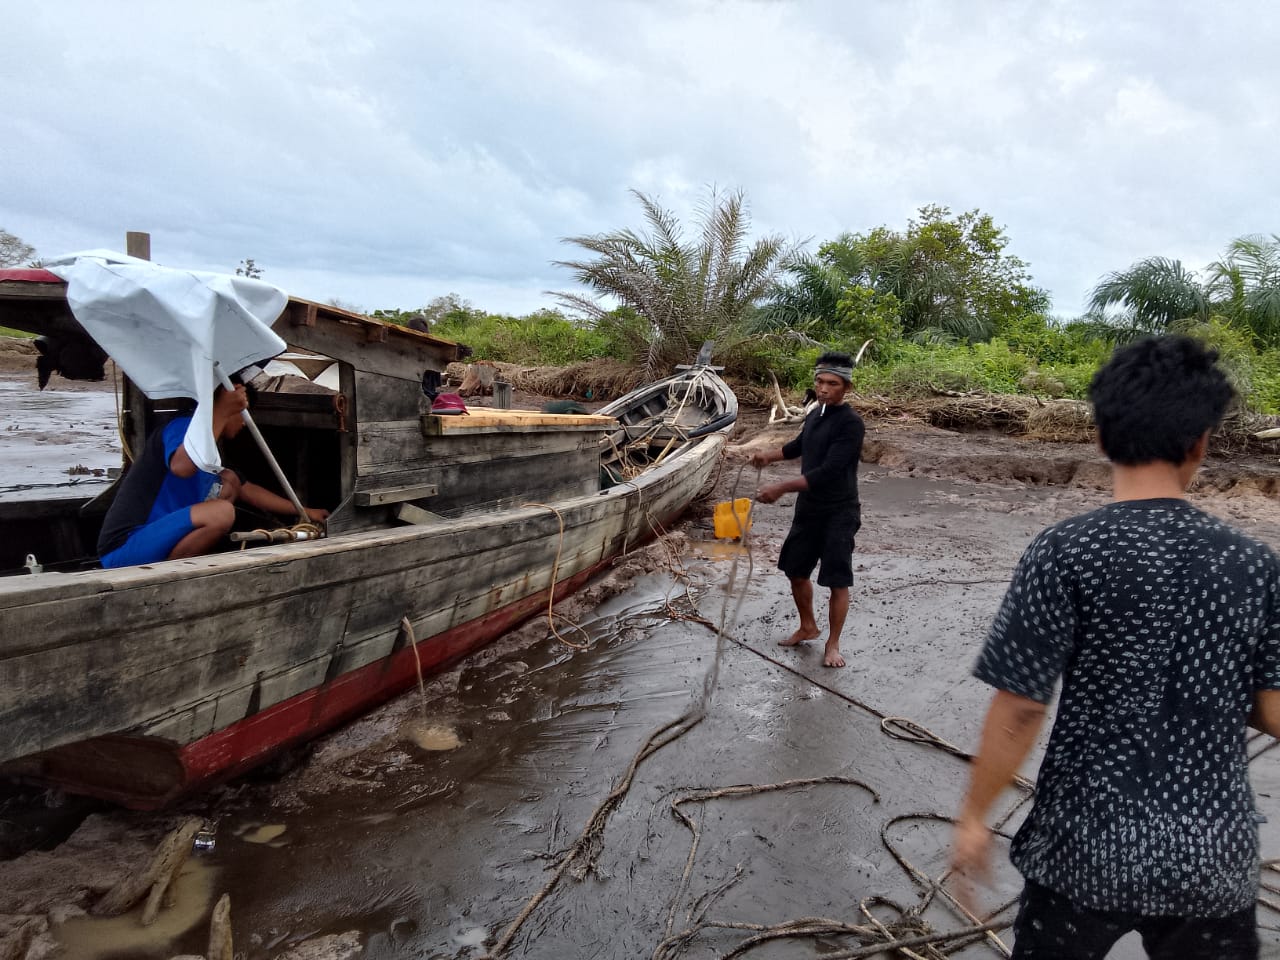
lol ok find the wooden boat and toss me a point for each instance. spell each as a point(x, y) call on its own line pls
point(141, 684)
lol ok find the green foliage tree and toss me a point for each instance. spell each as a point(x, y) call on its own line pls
point(248, 268)
point(946, 277)
point(684, 292)
point(949, 273)
point(13, 251)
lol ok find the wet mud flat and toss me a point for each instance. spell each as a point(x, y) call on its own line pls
point(55, 442)
point(425, 828)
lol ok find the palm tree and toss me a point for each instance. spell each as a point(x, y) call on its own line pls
point(1245, 286)
point(1153, 295)
point(807, 299)
point(685, 293)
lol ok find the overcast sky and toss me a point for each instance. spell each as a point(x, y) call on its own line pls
point(387, 153)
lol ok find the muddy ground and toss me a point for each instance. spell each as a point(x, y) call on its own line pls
point(424, 828)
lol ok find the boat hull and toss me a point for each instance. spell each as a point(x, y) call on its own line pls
point(264, 650)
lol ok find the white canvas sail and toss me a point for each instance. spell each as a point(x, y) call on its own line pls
point(166, 328)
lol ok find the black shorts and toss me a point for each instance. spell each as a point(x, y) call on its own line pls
point(824, 536)
point(1051, 927)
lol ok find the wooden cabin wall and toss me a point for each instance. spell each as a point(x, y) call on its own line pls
point(478, 471)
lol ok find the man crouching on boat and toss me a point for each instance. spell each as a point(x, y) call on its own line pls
point(828, 513)
point(168, 509)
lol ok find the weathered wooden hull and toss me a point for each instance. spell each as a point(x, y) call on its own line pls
point(143, 683)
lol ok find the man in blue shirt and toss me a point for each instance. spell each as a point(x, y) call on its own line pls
point(167, 508)
point(1163, 624)
point(828, 513)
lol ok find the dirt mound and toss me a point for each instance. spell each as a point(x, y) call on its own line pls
point(17, 355)
point(592, 380)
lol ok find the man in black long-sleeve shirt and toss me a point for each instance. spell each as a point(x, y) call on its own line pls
point(828, 513)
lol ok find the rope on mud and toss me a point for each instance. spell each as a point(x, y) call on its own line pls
point(933, 582)
point(1254, 738)
point(702, 796)
point(582, 856)
point(587, 847)
point(822, 926)
point(935, 887)
point(902, 728)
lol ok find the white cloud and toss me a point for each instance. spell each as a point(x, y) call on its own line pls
point(387, 159)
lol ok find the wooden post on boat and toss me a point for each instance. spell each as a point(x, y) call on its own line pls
point(137, 244)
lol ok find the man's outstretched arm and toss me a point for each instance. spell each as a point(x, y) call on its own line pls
point(1009, 732)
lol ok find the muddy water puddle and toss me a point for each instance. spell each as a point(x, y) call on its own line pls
point(116, 938)
point(45, 434)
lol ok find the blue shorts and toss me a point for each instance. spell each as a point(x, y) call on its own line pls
point(151, 542)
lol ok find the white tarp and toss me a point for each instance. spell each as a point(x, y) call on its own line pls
point(165, 328)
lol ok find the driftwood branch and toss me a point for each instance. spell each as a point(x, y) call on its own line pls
point(478, 380)
point(17, 932)
point(152, 882)
point(220, 930)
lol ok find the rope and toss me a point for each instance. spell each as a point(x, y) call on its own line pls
point(312, 531)
point(551, 590)
point(115, 395)
point(407, 627)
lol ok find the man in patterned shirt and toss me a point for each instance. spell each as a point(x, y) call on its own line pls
point(1163, 624)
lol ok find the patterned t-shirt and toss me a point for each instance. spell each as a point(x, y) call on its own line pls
point(1162, 623)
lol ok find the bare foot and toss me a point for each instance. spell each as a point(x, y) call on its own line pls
point(800, 636)
point(833, 658)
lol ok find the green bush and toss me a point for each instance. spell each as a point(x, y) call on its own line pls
point(543, 338)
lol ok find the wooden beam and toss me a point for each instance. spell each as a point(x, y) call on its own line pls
point(378, 498)
point(408, 513)
point(491, 420)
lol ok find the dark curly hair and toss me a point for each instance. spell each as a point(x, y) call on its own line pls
point(1155, 398)
point(835, 358)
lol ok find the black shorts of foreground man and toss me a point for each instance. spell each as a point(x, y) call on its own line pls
point(828, 514)
point(1163, 624)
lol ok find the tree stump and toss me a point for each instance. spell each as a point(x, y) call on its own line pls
point(478, 380)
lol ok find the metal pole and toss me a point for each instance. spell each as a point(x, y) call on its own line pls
point(266, 451)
